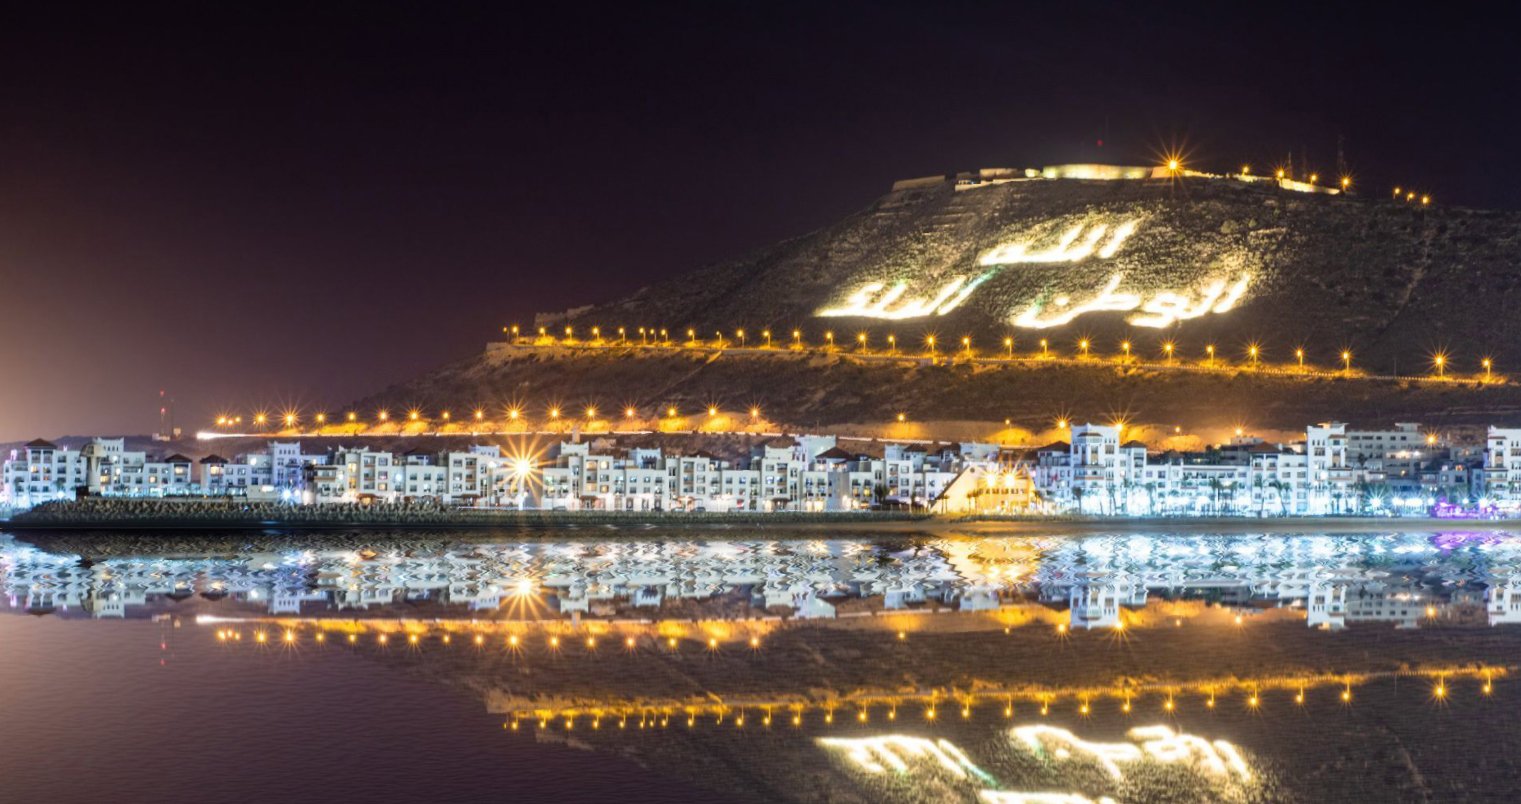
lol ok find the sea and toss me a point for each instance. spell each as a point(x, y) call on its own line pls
point(631, 665)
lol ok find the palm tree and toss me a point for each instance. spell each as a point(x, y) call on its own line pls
point(1283, 505)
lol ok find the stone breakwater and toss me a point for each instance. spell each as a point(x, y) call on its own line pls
point(121, 513)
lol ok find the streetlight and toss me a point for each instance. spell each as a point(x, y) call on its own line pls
point(1346, 182)
point(1253, 351)
point(861, 339)
point(1246, 170)
point(597, 334)
point(797, 339)
point(1396, 193)
point(1008, 344)
point(1082, 346)
point(1487, 364)
point(1441, 364)
point(591, 412)
point(569, 333)
point(966, 345)
point(622, 335)
point(1425, 200)
point(628, 413)
point(1210, 350)
point(892, 343)
point(1045, 347)
point(1314, 177)
point(691, 337)
point(829, 336)
point(554, 413)
point(766, 333)
point(755, 413)
point(929, 341)
point(1299, 355)
point(739, 333)
point(1167, 349)
point(1125, 347)
point(1346, 359)
point(1280, 174)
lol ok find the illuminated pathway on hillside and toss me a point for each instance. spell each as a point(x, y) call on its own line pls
point(558, 423)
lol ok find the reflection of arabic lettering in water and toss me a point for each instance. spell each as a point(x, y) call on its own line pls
point(877, 300)
point(904, 755)
point(877, 754)
point(1158, 743)
point(1160, 310)
point(1015, 797)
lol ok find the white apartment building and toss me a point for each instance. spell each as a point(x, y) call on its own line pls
point(367, 474)
point(1501, 478)
point(111, 470)
point(40, 472)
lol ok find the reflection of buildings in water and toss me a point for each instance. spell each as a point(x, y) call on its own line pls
point(1504, 601)
point(1335, 580)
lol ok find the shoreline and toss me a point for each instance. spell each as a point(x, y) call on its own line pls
point(802, 522)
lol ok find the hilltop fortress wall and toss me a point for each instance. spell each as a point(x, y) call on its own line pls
point(1091, 171)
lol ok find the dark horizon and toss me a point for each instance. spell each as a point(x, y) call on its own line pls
point(295, 208)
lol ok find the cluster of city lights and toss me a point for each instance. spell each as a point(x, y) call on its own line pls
point(930, 708)
point(1167, 699)
point(1174, 164)
point(1167, 352)
point(1408, 196)
point(515, 642)
point(479, 418)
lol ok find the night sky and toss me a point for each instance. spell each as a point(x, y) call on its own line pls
point(295, 207)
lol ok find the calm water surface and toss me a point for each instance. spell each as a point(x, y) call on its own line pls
point(1133, 667)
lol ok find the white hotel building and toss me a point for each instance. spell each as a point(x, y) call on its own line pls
point(811, 473)
point(1332, 471)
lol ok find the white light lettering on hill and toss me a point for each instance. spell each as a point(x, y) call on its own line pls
point(877, 300)
point(1089, 239)
point(1157, 310)
point(1072, 247)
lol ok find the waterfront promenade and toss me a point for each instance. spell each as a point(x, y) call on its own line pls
point(138, 515)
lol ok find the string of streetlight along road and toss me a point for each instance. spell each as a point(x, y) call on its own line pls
point(933, 347)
